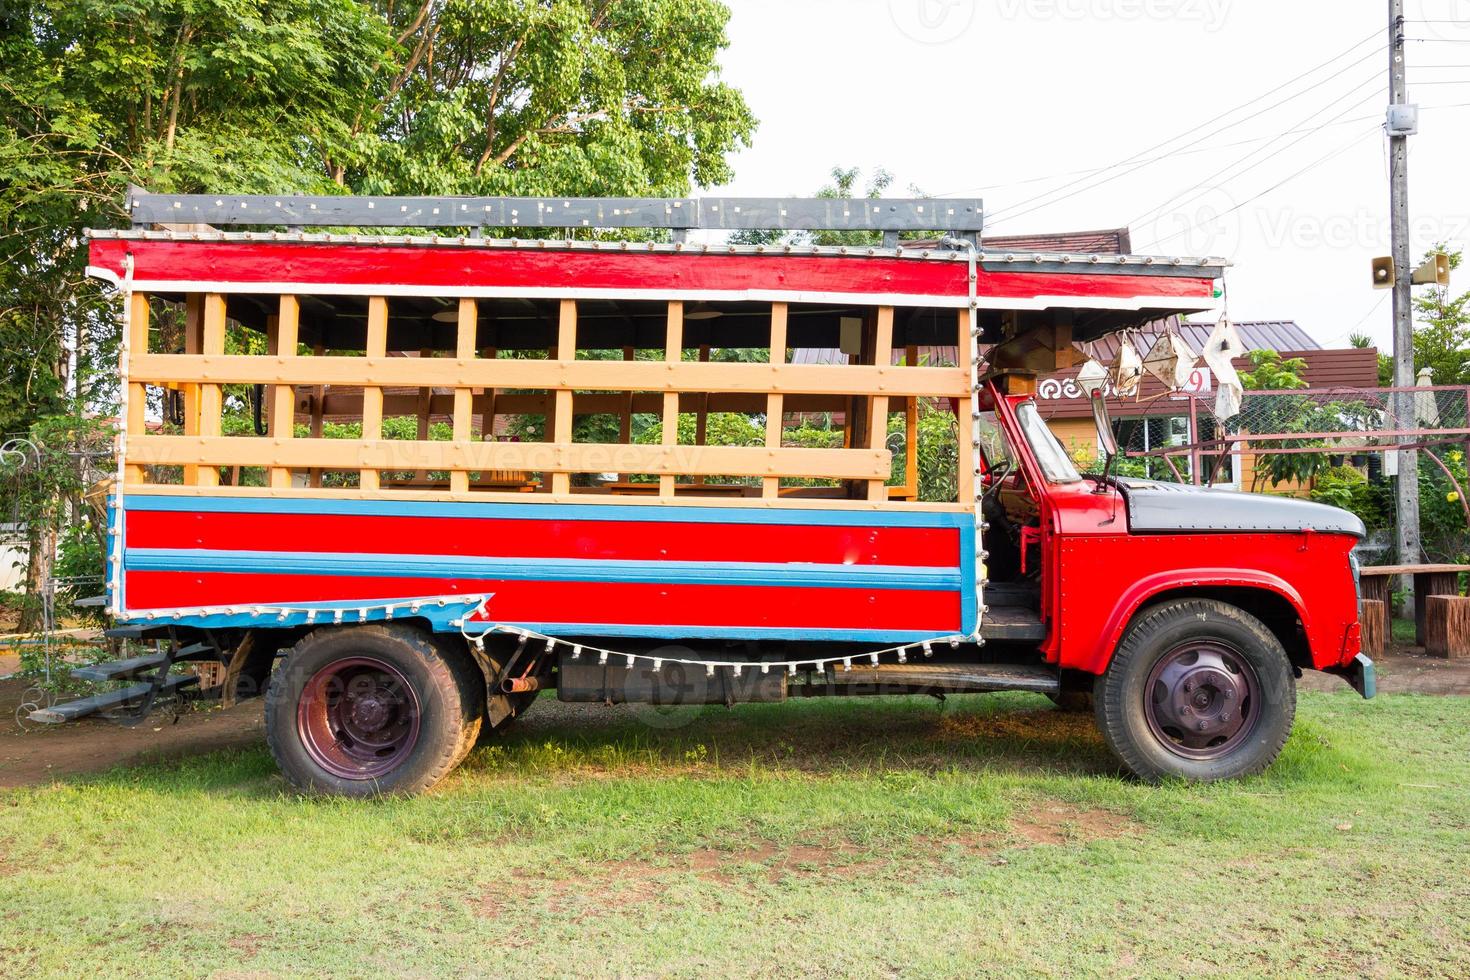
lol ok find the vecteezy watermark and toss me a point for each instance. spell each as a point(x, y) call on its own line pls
point(1360, 230)
point(932, 21)
point(1211, 14)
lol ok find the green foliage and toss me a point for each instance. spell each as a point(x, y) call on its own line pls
point(1284, 413)
point(1442, 522)
point(1348, 488)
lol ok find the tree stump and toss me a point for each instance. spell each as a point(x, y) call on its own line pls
point(1427, 584)
point(1447, 626)
point(1373, 616)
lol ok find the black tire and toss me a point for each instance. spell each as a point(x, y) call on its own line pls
point(1072, 702)
point(423, 695)
point(1246, 702)
point(471, 683)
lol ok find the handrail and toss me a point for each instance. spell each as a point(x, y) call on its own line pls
point(965, 216)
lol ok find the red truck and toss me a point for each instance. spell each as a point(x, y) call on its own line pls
point(474, 469)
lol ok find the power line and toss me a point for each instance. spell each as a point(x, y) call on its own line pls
point(1214, 148)
point(1134, 158)
point(1208, 183)
point(1279, 184)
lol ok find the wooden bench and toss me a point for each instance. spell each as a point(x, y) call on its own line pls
point(1377, 584)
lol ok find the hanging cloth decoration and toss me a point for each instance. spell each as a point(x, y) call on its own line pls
point(1171, 360)
point(1127, 369)
point(1223, 347)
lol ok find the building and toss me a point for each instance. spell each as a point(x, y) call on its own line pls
point(1157, 418)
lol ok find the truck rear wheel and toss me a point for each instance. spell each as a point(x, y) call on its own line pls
point(367, 711)
point(1197, 689)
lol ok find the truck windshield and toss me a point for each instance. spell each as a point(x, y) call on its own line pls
point(1055, 464)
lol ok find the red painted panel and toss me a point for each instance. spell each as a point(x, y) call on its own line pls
point(579, 602)
point(453, 267)
point(491, 537)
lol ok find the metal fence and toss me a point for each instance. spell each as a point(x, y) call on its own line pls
point(1340, 445)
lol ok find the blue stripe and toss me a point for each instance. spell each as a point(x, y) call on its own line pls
point(793, 574)
point(531, 511)
point(969, 589)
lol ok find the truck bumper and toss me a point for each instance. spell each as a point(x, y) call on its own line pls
point(1359, 674)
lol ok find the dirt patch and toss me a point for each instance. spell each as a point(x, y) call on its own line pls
point(630, 884)
point(32, 755)
point(1404, 670)
point(1055, 824)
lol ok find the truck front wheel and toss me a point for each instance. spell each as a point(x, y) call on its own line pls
point(369, 710)
point(1197, 689)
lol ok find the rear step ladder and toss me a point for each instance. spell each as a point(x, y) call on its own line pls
point(151, 670)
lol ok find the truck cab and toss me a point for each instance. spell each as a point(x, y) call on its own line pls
point(1182, 613)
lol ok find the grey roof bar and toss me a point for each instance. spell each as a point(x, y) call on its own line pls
point(681, 213)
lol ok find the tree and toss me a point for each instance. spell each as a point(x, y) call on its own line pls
point(1442, 336)
point(1362, 341)
point(843, 185)
point(446, 96)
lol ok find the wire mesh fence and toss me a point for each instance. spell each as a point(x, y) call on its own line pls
point(1343, 446)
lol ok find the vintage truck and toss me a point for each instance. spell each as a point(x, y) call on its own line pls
point(463, 481)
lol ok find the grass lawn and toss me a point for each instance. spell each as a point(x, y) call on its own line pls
point(872, 838)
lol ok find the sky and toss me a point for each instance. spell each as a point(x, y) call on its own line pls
point(1246, 129)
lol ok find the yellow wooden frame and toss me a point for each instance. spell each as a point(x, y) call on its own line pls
point(476, 382)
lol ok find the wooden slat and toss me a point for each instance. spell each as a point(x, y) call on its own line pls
point(349, 403)
point(283, 397)
point(966, 494)
point(193, 345)
point(464, 348)
point(566, 348)
point(318, 417)
point(404, 454)
point(137, 420)
point(878, 416)
point(625, 410)
point(372, 396)
point(211, 396)
point(911, 432)
point(673, 364)
point(411, 372)
point(775, 402)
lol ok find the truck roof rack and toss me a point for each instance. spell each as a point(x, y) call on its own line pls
point(891, 216)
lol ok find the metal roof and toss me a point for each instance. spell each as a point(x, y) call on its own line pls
point(1277, 335)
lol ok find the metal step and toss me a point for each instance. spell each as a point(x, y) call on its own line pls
point(117, 670)
point(943, 678)
point(1016, 623)
point(90, 601)
point(72, 710)
point(136, 632)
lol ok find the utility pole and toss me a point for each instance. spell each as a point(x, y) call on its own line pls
point(1407, 531)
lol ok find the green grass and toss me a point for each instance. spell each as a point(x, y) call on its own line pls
point(870, 838)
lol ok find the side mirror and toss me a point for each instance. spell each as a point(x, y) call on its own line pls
point(1106, 438)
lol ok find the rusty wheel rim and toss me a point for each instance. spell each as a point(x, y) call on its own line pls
point(358, 718)
point(1202, 700)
